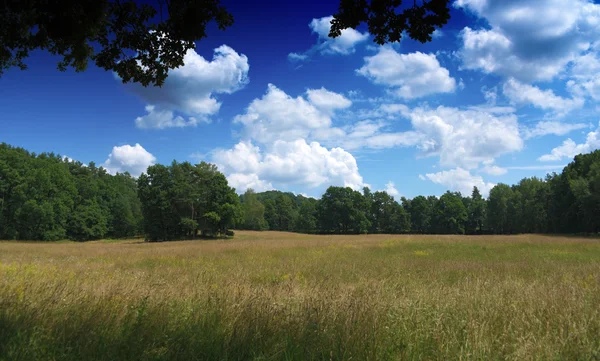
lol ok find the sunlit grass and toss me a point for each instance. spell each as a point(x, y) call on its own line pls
point(282, 296)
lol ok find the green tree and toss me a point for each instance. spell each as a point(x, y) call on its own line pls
point(532, 211)
point(161, 222)
point(343, 210)
point(183, 199)
point(388, 25)
point(420, 214)
point(387, 215)
point(306, 221)
point(476, 212)
point(254, 212)
point(280, 210)
point(138, 41)
point(124, 207)
point(498, 217)
point(87, 222)
point(450, 214)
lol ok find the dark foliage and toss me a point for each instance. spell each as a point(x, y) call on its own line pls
point(138, 41)
point(142, 41)
point(45, 197)
point(387, 19)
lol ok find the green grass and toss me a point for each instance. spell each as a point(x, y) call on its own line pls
point(281, 296)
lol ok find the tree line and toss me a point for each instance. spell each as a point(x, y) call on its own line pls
point(47, 197)
point(568, 202)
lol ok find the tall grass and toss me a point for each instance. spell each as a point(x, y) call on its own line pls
point(279, 296)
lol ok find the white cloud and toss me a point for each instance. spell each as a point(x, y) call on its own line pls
point(586, 65)
point(490, 95)
point(548, 167)
point(297, 57)
point(409, 76)
point(465, 138)
point(371, 134)
point(288, 162)
point(126, 158)
point(494, 170)
point(461, 138)
point(190, 89)
point(569, 149)
point(242, 182)
point(551, 127)
point(460, 180)
point(327, 101)
point(279, 116)
point(388, 111)
point(528, 40)
point(520, 94)
point(161, 119)
point(586, 76)
point(589, 87)
point(390, 188)
point(344, 44)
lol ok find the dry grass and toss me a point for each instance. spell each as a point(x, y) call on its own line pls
point(284, 296)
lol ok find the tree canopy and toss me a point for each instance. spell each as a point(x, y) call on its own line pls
point(47, 197)
point(141, 41)
point(138, 41)
point(183, 200)
point(387, 20)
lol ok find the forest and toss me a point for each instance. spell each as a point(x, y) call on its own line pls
point(46, 197)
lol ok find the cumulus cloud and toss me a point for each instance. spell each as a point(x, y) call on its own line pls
point(522, 94)
point(528, 40)
point(409, 76)
point(390, 188)
point(161, 119)
point(494, 170)
point(288, 162)
point(279, 116)
point(460, 137)
point(278, 126)
point(372, 134)
point(569, 149)
point(460, 180)
point(551, 127)
point(344, 44)
point(465, 138)
point(548, 167)
point(388, 111)
point(327, 101)
point(242, 182)
point(126, 158)
point(191, 89)
point(586, 76)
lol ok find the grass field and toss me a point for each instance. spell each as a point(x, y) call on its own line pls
point(282, 296)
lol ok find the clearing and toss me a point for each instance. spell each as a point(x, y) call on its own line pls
point(285, 296)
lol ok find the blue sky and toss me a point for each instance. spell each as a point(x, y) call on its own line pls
point(507, 89)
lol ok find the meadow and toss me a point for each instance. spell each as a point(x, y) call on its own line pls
point(286, 296)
